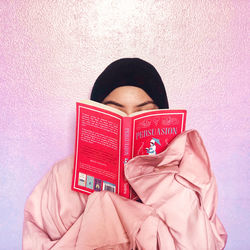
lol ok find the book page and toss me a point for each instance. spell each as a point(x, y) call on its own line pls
point(97, 156)
point(154, 130)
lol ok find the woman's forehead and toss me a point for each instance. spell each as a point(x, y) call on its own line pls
point(129, 99)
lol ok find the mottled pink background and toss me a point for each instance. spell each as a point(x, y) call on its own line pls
point(51, 52)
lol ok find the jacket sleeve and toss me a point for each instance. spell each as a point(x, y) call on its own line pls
point(179, 184)
point(49, 217)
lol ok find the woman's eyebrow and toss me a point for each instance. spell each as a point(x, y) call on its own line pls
point(114, 103)
point(120, 105)
point(145, 103)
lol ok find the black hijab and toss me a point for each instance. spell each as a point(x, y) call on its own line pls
point(130, 72)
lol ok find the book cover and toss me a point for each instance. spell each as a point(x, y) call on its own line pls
point(106, 139)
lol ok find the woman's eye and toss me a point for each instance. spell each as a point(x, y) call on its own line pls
point(148, 107)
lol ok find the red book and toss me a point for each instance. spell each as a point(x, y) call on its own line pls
point(106, 138)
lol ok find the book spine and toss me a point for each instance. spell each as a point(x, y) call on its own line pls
point(126, 154)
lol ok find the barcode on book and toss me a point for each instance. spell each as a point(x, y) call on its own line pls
point(109, 186)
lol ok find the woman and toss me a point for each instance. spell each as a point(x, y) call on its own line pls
point(177, 188)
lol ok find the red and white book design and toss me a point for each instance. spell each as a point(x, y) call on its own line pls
point(107, 138)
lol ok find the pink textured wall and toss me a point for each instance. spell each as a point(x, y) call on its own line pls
point(51, 52)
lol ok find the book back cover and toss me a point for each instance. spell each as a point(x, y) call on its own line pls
point(97, 150)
